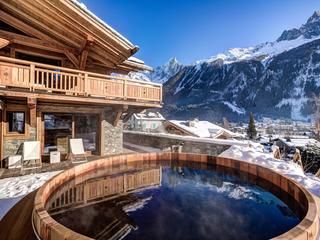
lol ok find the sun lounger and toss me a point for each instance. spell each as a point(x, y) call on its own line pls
point(31, 153)
point(77, 150)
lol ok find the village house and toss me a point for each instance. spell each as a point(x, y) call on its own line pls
point(63, 75)
point(146, 121)
point(196, 128)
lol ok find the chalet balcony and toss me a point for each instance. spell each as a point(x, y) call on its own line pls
point(18, 77)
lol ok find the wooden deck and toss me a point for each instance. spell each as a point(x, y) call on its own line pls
point(52, 81)
point(47, 167)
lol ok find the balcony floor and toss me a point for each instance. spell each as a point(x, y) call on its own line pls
point(72, 99)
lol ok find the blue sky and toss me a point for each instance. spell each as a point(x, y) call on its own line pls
point(195, 29)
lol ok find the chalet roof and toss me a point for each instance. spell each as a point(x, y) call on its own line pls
point(84, 8)
point(70, 29)
point(203, 129)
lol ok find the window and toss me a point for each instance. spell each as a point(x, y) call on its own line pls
point(16, 122)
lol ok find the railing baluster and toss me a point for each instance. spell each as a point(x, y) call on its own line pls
point(73, 83)
point(86, 87)
point(65, 84)
point(42, 78)
point(52, 78)
point(69, 84)
point(32, 76)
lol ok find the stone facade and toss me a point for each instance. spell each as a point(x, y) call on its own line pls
point(14, 146)
point(113, 136)
point(164, 142)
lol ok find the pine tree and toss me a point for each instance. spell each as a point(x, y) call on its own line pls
point(251, 131)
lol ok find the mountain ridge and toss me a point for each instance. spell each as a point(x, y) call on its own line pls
point(273, 79)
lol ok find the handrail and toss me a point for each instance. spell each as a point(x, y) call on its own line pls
point(42, 65)
point(39, 76)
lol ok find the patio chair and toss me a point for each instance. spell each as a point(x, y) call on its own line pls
point(31, 152)
point(77, 150)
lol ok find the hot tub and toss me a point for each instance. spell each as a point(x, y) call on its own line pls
point(173, 196)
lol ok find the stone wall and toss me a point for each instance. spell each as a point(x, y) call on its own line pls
point(12, 146)
point(113, 136)
point(164, 142)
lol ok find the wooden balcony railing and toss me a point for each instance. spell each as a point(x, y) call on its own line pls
point(35, 76)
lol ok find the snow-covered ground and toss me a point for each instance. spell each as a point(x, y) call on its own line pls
point(15, 188)
point(294, 171)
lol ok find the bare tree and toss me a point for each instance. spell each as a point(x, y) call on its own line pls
point(226, 123)
point(316, 114)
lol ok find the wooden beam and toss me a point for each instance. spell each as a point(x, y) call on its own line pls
point(130, 112)
point(32, 104)
point(26, 28)
point(117, 116)
point(36, 52)
point(57, 98)
point(84, 53)
point(37, 18)
point(4, 43)
point(12, 52)
point(104, 62)
point(72, 58)
point(33, 42)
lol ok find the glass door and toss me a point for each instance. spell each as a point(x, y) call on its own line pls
point(57, 132)
point(87, 128)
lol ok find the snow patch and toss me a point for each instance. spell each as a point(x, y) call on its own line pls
point(22, 185)
point(234, 107)
point(289, 169)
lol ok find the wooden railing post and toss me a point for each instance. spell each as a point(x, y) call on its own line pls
point(32, 76)
point(86, 87)
point(125, 89)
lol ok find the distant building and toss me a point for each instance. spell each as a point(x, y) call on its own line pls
point(146, 121)
point(196, 128)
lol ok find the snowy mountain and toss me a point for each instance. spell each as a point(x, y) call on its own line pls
point(288, 40)
point(162, 73)
point(273, 79)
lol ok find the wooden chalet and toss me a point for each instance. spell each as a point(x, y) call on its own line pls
point(63, 75)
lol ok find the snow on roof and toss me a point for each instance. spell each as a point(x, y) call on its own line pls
point(84, 8)
point(300, 142)
point(149, 116)
point(202, 129)
point(137, 60)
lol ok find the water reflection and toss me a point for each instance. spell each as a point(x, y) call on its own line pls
point(171, 201)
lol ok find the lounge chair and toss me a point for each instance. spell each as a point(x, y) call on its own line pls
point(77, 150)
point(31, 152)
